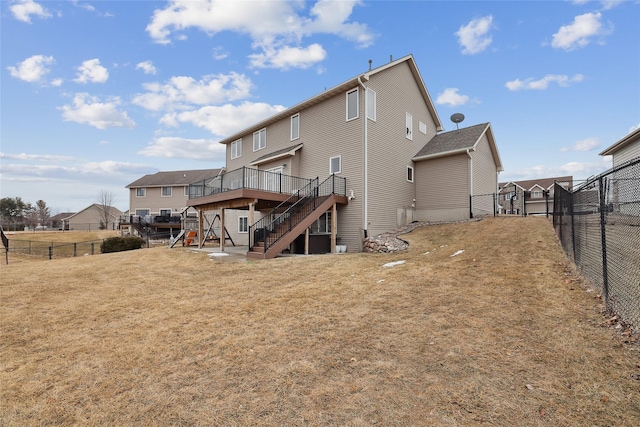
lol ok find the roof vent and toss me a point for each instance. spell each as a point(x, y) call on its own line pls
point(370, 62)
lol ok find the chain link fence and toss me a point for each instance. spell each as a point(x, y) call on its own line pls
point(599, 227)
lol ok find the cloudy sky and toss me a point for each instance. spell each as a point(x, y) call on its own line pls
point(96, 94)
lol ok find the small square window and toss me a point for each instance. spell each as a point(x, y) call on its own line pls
point(166, 191)
point(422, 126)
point(141, 192)
point(243, 224)
point(236, 149)
point(335, 165)
point(409, 173)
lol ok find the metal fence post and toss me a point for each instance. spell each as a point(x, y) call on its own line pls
point(75, 249)
point(50, 252)
point(603, 237)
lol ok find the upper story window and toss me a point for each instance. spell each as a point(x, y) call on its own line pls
point(165, 212)
point(335, 165)
point(236, 149)
point(142, 212)
point(537, 193)
point(295, 126)
point(422, 126)
point(260, 139)
point(352, 104)
point(141, 192)
point(371, 105)
point(409, 173)
point(186, 190)
point(409, 126)
point(166, 191)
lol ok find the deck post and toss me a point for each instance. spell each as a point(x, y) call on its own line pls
point(306, 241)
point(251, 221)
point(200, 228)
point(334, 227)
point(222, 234)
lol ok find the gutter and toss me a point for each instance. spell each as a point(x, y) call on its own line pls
point(366, 160)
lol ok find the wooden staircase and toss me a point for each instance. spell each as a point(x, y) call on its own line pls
point(298, 221)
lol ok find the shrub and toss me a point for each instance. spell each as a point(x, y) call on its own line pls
point(118, 244)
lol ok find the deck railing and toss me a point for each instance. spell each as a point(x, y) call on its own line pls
point(273, 226)
point(247, 178)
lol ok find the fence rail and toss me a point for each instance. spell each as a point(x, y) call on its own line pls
point(599, 227)
point(54, 249)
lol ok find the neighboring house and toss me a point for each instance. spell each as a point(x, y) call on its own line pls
point(530, 197)
point(91, 218)
point(372, 142)
point(625, 149)
point(160, 198)
point(57, 220)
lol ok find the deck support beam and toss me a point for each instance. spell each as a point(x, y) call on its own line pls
point(334, 227)
point(306, 241)
point(200, 227)
point(222, 232)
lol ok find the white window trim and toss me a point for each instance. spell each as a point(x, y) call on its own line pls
point(144, 190)
point(237, 144)
point(170, 191)
point(371, 102)
point(357, 104)
point(265, 139)
point(165, 209)
point(240, 230)
point(186, 191)
point(413, 177)
point(298, 127)
point(409, 126)
point(143, 209)
point(422, 127)
point(340, 164)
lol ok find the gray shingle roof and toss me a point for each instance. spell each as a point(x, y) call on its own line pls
point(171, 178)
point(542, 182)
point(276, 154)
point(453, 140)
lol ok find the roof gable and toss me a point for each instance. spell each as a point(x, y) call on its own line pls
point(545, 183)
point(633, 136)
point(340, 88)
point(173, 178)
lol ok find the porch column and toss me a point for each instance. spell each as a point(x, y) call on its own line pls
point(334, 227)
point(222, 233)
point(251, 221)
point(200, 227)
point(306, 241)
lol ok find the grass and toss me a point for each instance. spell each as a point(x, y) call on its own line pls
point(28, 244)
point(501, 334)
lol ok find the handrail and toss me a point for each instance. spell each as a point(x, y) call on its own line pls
point(247, 178)
point(283, 222)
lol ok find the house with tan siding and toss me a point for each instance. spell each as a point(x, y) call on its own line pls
point(92, 218)
point(624, 150)
point(530, 197)
point(359, 159)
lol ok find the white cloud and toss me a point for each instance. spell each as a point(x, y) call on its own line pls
point(40, 157)
point(606, 4)
point(32, 69)
point(451, 97)
point(23, 10)
point(583, 145)
point(88, 110)
point(474, 37)
point(579, 170)
point(147, 67)
point(276, 27)
point(225, 119)
point(92, 72)
point(288, 57)
point(183, 148)
point(580, 32)
point(530, 84)
point(180, 92)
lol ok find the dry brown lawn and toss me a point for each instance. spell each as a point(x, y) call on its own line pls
point(502, 334)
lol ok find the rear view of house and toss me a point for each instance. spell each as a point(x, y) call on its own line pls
point(358, 159)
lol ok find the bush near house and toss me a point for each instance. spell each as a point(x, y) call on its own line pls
point(119, 244)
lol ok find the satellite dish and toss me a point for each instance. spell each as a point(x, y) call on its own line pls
point(457, 118)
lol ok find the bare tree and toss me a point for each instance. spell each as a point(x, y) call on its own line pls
point(104, 204)
point(43, 212)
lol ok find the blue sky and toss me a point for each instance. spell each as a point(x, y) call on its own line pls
point(95, 94)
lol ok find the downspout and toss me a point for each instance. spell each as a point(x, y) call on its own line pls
point(470, 183)
point(366, 162)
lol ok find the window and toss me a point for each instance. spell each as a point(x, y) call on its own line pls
point(371, 105)
point(409, 125)
point(236, 149)
point(295, 126)
point(335, 165)
point(142, 212)
point(352, 104)
point(141, 192)
point(409, 173)
point(165, 212)
point(186, 190)
point(260, 139)
point(166, 191)
point(323, 224)
point(243, 224)
point(537, 193)
point(422, 126)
